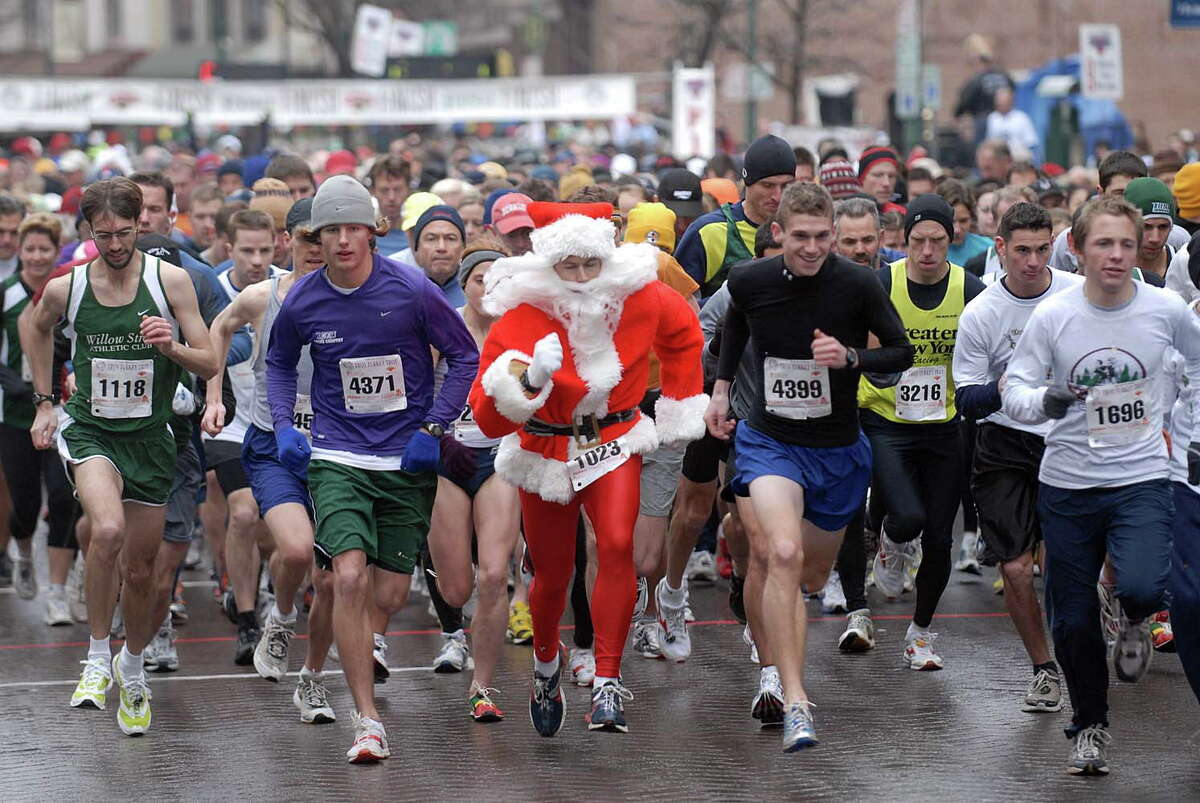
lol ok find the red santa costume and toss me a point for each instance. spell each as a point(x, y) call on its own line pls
point(557, 440)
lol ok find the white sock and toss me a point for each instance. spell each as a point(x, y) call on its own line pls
point(600, 681)
point(546, 668)
point(99, 648)
point(675, 597)
point(131, 665)
point(279, 616)
point(914, 631)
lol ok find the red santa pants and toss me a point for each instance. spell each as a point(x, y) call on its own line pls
point(611, 503)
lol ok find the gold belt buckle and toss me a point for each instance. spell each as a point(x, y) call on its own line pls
point(582, 440)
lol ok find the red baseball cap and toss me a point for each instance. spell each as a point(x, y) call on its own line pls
point(341, 162)
point(511, 212)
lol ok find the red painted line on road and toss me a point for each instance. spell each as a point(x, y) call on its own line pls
point(435, 631)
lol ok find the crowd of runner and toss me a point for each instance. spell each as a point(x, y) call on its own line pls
point(579, 379)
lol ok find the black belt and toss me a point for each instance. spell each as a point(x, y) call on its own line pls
point(585, 429)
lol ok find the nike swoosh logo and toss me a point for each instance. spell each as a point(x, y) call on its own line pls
point(146, 311)
point(383, 314)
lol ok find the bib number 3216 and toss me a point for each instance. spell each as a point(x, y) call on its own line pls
point(587, 467)
point(373, 384)
point(921, 394)
point(1118, 414)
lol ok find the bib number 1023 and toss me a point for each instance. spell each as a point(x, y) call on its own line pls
point(587, 467)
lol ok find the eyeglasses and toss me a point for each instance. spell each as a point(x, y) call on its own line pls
point(103, 237)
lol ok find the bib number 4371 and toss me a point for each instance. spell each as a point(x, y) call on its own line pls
point(373, 384)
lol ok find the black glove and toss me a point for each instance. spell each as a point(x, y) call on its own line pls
point(1193, 458)
point(457, 460)
point(1058, 400)
point(14, 387)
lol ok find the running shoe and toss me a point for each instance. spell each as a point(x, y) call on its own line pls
point(641, 600)
point(58, 612)
point(311, 698)
point(968, 554)
point(1133, 650)
point(998, 586)
point(724, 560)
point(178, 607)
point(76, 590)
point(912, 563)
point(701, 567)
point(160, 654)
point(547, 707)
point(767, 707)
point(889, 567)
point(482, 707)
point(520, 624)
point(1044, 693)
point(737, 598)
point(271, 652)
point(645, 640)
point(455, 655)
point(24, 580)
point(1162, 633)
point(748, 640)
point(673, 637)
point(379, 656)
point(91, 691)
point(919, 653)
point(370, 741)
point(6, 570)
point(247, 640)
point(608, 708)
point(799, 730)
point(1110, 613)
point(859, 635)
point(1088, 751)
point(133, 715)
point(195, 552)
point(833, 598)
point(117, 628)
point(583, 666)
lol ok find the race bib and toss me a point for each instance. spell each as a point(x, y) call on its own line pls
point(587, 467)
point(373, 384)
point(1119, 414)
point(302, 415)
point(796, 389)
point(921, 394)
point(468, 433)
point(122, 388)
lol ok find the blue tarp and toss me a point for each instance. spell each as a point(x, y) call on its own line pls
point(1098, 119)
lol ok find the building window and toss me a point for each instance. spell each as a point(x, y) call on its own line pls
point(183, 21)
point(254, 20)
point(218, 15)
point(114, 19)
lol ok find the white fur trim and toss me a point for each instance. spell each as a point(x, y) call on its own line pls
point(574, 235)
point(550, 479)
point(680, 419)
point(506, 390)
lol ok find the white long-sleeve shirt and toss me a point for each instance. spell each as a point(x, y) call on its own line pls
point(988, 331)
point(1069, 340)
point(1014, 127)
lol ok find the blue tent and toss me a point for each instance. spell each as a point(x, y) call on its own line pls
point(1098, 119)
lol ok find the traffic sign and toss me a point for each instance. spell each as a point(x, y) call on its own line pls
point(441, 38)
point(1185, 14)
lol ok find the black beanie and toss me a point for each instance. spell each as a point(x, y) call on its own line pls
point(768, 156)
point(929, 207)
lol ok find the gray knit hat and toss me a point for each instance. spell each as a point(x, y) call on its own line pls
point(342, 199)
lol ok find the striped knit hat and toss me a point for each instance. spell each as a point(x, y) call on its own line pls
point(838, 176)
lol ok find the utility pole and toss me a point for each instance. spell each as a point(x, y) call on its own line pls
point(751, 69)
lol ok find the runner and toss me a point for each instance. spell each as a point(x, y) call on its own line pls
point(475, 508)
point(376, 424)
point(801, 452)
point(1008, 453)
point(563, 370)
point(914, 427)
point(1104, 477)
point(281, 496)
point(114, 431)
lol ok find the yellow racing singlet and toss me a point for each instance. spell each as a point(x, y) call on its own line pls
point(925, 392)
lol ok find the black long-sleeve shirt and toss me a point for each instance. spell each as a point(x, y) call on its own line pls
point(777, 311)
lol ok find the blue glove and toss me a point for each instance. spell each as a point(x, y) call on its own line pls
point(421, 454)
point(293, 450)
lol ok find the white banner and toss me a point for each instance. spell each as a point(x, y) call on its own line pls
point(71, 105)
point(372, 36)
point(1101, 74)
point(693, 113)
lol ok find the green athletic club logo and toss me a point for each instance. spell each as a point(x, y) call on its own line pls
point(1106, 366)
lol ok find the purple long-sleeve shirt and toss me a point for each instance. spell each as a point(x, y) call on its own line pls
point(398, 310)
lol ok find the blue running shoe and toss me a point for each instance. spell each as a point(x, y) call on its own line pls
point(608, 708)
point(546, 704)
point(798, 729)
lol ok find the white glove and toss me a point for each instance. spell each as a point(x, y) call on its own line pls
point(547, 358)
point(184, 402)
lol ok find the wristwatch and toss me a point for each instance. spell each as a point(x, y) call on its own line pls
point(851, 358)
point(436, 430)
point(38, 398)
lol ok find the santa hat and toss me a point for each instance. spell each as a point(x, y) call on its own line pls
point(564, 229)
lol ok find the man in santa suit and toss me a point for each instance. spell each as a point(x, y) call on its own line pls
point(561, 375)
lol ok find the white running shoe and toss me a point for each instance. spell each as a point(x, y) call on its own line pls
point(645, 639)
point(271, 652)
point(767, 707)
point(919, 653)
point(1044, 693)
point(58, 612)
point(643, 597)
point(77, 591)
point(311, 698)
point(583, 666)
point(1110, 614)
point(748, 640)
point(455, 655)
point(833, 598)
point(701, 567)
point(24, 579)
point(160, 654)
point(673, 637)
point(889, 567)
point(1133, 651)
point(913, 553)
point(968, 553)
point(859, 635)
point(379, 653)
point(370, 741)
